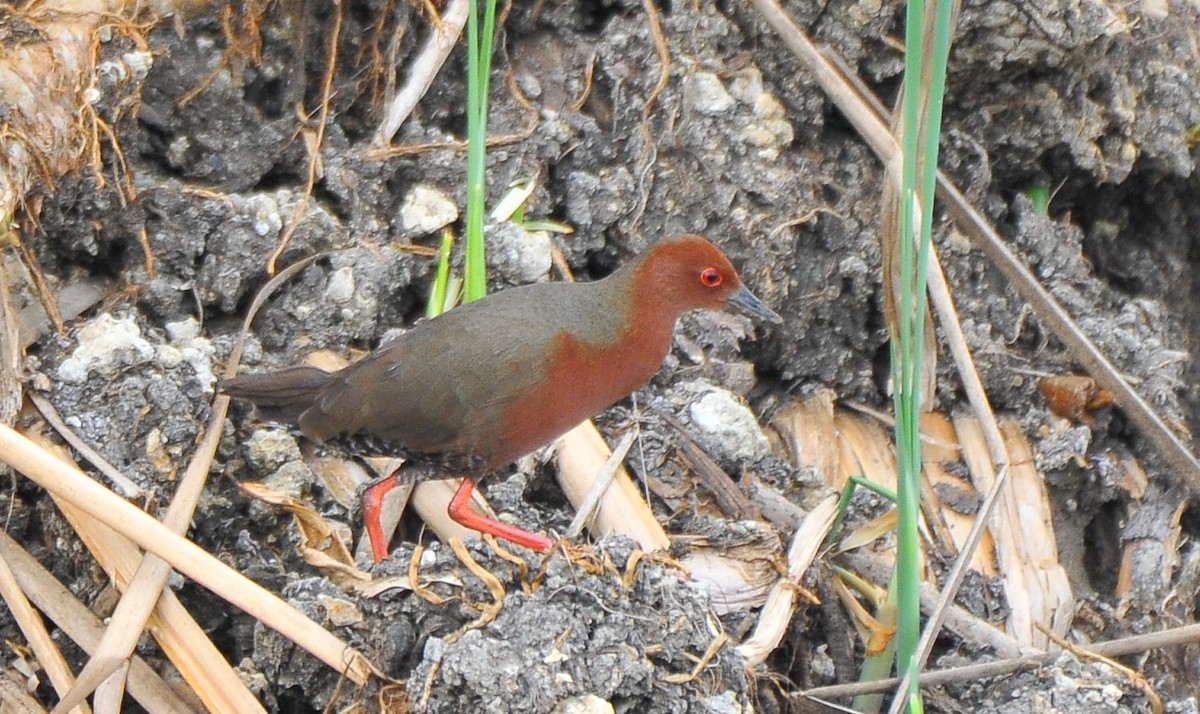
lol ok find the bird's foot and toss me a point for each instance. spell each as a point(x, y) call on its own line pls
point(372, 508)
point(460, 510)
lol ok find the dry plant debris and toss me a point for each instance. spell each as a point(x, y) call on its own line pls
point(151, 171)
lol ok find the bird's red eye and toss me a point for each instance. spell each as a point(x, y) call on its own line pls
point(711, 277)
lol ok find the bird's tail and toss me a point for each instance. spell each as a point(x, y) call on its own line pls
point(280, 396)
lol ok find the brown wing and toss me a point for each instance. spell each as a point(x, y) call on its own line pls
point(443, 386)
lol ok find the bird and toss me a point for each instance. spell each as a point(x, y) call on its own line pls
point(480, 386)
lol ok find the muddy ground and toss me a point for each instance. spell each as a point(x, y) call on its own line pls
point(1097, 102)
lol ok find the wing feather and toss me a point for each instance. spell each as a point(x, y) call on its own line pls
point(404, 391)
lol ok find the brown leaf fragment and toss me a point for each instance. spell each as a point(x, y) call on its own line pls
point(319, 544)
point(1072, 396)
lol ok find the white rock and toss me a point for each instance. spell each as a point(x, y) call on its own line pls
point(112, 70)
point(585, 704)
point(266, 217)
point(426, 209)
point(705, 93)
point(293, 478)
point(169, 356)
point(747, 85)
point(341, 285)
point(769, 129)
point(268, 449)
point(519, 255)
point(728, 426)
point(183, 330)
point(193, 349)
point(106, 344)
point(139, 63)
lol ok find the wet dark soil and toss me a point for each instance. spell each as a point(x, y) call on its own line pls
point(1097, 103)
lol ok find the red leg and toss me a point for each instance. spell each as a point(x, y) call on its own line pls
point(372, 505)
point(460, 511)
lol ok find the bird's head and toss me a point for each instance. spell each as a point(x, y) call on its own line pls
point(690, 272)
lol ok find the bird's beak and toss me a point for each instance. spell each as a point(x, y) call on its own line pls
point(749, 303)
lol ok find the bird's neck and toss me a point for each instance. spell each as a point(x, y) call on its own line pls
point(648, 314)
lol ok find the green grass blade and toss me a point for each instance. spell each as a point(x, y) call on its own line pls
point(921, 110)
point(1039, 194)
point(441, 280)
point(479, 65)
